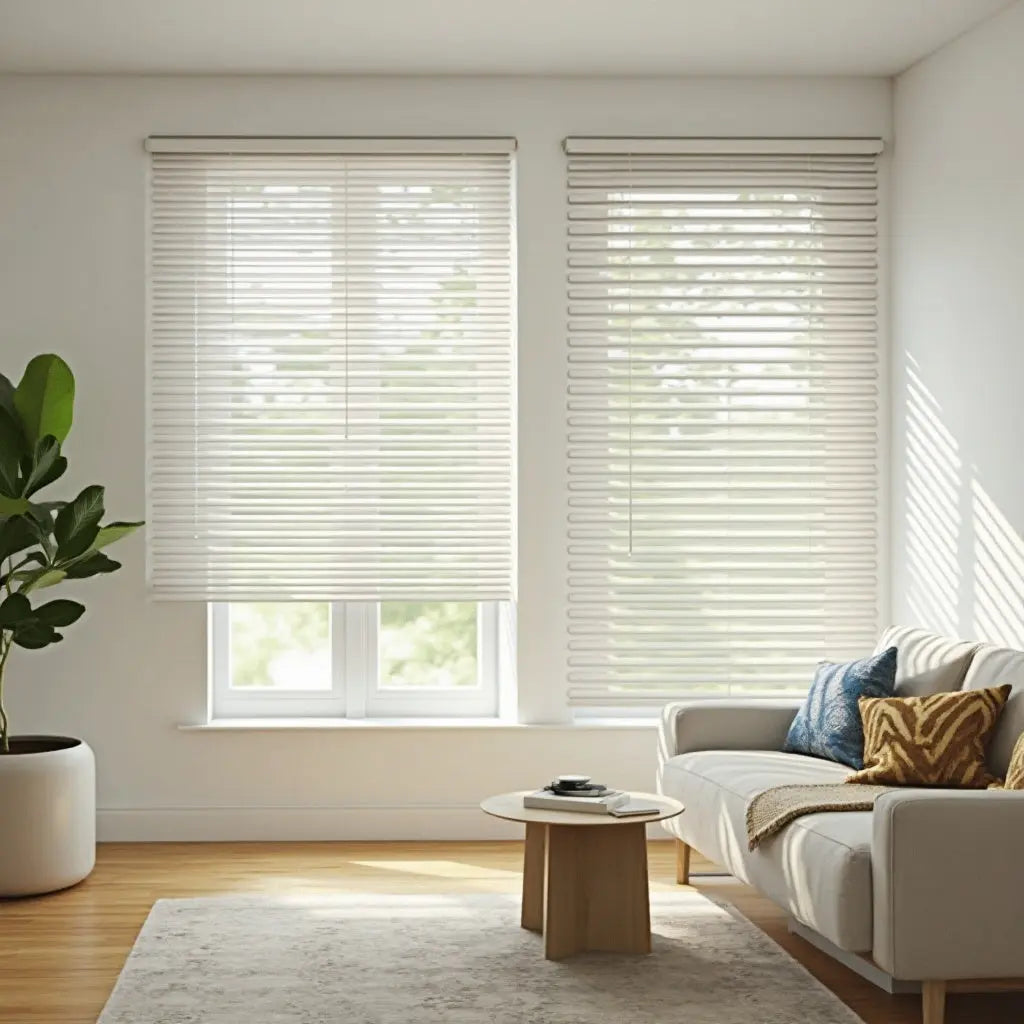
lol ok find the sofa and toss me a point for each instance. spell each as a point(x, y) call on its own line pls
point(926, 890)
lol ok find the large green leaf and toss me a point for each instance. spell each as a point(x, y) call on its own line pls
point(14, 610)
point(37, 579)
point(12, 506)
point(16, 534)
point(58, 613)
point(41, 520)
point(40, 511)
point(45, 398)
point(95, 563)
point(12, 447)
point(78, 523)
point(46, 466)
point(57, 470)
point(34, 635)
point(7, 396)
point(113, 532)
point(28, 558)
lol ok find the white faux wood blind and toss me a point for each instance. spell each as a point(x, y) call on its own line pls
point(724, 396)
point(332, 370)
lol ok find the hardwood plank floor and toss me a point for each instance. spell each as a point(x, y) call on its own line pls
point(60, 954)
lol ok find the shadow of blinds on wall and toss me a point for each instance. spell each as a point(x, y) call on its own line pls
point(724, 420)
point(332, 369)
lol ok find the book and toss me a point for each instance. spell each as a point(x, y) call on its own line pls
point(545, 800)
point(633, 807)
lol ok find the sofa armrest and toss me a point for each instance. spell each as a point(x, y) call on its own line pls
point(725, 725)
point(947, 869)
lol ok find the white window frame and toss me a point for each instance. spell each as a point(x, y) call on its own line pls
point(355, 690)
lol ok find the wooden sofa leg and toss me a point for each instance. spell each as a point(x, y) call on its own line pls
point(933, 1002)
point(682, 863)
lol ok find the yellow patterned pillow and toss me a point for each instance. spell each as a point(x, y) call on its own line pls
point(939, 740)
point(1015, 773)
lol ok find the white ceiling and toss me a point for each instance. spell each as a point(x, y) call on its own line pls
point(569, 37)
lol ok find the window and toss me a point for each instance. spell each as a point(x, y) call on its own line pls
point(355, 659)
point(724, 423)
point(331, 415)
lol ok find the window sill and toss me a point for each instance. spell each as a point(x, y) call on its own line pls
point(333, 724)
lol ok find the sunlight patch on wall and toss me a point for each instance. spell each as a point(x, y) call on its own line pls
point(998, 563)
point(933, 524)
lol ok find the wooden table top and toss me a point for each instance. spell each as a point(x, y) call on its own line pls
point(510, 806)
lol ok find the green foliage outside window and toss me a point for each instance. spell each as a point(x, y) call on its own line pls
point(287, 646)
point(428, 644)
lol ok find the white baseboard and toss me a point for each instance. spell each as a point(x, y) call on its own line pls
point(225, 824)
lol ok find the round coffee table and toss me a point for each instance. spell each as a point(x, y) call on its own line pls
point(585, 875)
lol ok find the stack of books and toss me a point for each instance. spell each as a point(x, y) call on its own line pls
point(586, 797)
point(601, 801)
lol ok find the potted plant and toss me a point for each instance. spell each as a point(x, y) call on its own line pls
point(47, 783)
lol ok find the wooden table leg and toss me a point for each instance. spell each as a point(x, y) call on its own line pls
point(595, 890)
point(618, 901)
point(533, 877)
point(565, 892)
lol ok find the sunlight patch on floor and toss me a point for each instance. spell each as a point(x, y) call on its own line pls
point(437, 868)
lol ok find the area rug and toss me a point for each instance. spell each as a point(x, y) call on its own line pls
point(458, 959)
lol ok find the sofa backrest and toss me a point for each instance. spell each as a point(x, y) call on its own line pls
point(927, 663)
point(994, 666)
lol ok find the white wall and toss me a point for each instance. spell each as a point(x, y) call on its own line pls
point(72, 215)
point(958, 329)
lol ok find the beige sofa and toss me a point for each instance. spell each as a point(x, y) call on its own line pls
point(926, 890)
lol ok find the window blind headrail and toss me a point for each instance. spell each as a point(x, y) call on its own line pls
point(305, 146)
point(591, 145)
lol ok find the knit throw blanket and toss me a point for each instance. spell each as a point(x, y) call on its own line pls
point(771, 811)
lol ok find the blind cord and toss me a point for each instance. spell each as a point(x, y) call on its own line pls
point(345, 314)
point(629, 373)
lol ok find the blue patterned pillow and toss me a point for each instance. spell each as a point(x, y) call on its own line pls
point(829, 724)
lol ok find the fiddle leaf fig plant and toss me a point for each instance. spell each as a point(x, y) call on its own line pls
point(43, 543)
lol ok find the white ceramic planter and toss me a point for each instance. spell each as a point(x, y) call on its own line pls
point(47, 814)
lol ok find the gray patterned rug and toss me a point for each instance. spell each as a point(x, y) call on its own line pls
point(370, 959)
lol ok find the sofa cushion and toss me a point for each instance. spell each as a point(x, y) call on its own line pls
point(1015, 773)
point(939, 740)
point(926, 663)
point(818, 868)
point(993, 666)
point(828, 723)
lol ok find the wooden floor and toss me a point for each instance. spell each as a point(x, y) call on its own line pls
point(60, 954)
